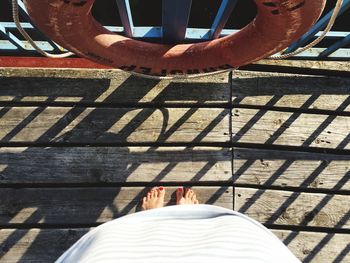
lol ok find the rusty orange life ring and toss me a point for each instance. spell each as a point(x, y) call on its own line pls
point(277, 24)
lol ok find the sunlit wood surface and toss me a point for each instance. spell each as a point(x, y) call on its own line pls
point(82, 147)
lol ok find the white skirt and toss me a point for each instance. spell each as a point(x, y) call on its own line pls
point(181, 233)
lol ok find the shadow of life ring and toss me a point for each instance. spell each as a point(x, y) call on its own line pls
point(278, 23)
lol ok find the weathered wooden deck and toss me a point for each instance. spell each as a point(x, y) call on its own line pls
point(79, 148)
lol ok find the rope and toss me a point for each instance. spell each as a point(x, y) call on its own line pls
point(317, 40)
point(15, 15)
point(170, 77)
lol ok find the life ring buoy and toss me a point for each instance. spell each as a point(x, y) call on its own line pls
point(277, 24)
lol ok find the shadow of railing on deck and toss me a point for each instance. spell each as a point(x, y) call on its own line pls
point(62, 153)
point(98, 126)
point(271, 92)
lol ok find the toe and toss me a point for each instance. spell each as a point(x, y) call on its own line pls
point(188, 193)
point(154, 193)
point(179, 193)
point(193, 197)
point(161, 192)
point(144, 200)
point(149, 195)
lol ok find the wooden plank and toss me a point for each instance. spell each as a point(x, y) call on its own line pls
point(312, 64)
point(36, 245)
point(83, 73)
point(62, 206)
point(316, 247)
point(114, 164)
point(294, 208)
point(291, 90)
point(60, 73)
point(292, 129)
point(119, 88)
point(113, 125)
point(291, 169)
point(46, 245)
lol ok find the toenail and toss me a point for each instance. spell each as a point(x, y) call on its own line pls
point(161, 188)
point(180, 189)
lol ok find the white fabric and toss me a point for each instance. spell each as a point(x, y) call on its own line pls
point(186, 233)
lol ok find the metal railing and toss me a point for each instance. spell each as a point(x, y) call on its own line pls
point(337, 47)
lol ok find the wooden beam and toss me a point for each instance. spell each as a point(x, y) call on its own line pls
point(65, 165)
point(291, 169)
point(94, 73)
point(118, 88)
point(287, 208)
point(304, 67)
point(312, 64)
point(71, 206)
point(37, 245)
point(113, 125)
point(41, 62)
point(291, 128)
point(291, 90)
point(316, 247)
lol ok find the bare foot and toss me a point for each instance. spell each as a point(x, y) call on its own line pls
point(189, 198)
point(154, 198)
